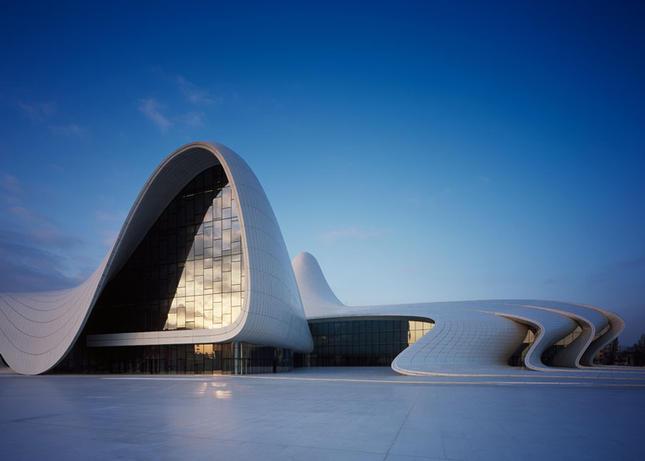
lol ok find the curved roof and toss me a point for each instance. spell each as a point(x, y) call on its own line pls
point(38, 329)
point(473, 336)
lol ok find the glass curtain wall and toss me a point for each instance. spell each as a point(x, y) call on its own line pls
point(223, 358)
point(361, 342)
point(188, 271)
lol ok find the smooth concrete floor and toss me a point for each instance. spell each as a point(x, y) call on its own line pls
point(318, 414)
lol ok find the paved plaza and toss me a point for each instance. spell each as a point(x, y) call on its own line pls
point(323, 414)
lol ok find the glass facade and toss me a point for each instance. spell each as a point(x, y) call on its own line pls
point(187, 272)
point(366, 341)
point(223, 358)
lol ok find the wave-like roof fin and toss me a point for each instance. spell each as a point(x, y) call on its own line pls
point(314, 289)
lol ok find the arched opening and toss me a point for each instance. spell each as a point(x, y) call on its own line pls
point(517, 359)
point(550, 353)
point(187, 273)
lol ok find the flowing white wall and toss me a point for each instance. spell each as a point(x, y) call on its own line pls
point(38, 329)
point(472, 337)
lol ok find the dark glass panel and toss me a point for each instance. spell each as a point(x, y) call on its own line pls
point(180, 258)
point(361, 342)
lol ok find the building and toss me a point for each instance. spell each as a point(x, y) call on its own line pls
point(199, 281)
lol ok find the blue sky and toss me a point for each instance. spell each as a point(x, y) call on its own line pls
point(420, 152)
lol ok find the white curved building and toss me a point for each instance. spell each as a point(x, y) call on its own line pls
point(465, 337)
point(199, 281)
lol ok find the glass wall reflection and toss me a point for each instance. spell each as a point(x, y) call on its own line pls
point(372, 341)
point(188, 271)
point(222, 358)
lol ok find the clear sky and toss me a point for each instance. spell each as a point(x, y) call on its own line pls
point(420, 152)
